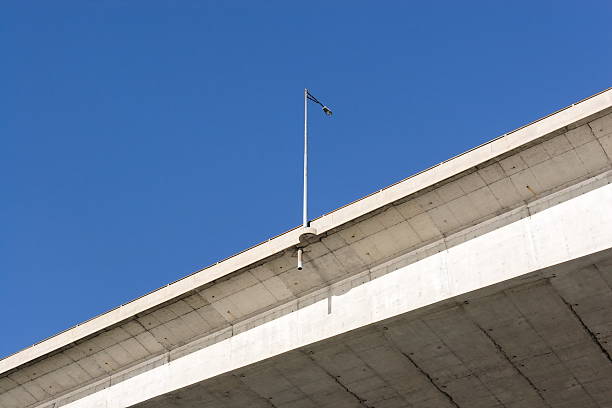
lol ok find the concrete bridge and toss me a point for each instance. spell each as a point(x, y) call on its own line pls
point(484, 281)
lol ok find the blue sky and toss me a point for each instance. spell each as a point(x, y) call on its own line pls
point(141, 141)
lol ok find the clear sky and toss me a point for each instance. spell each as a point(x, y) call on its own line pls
point(144, 140)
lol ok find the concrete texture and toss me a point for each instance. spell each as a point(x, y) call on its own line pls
point(517, 252)
point(499, 350)
point(489, 224)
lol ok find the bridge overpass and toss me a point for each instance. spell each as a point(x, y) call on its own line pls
point(485, 281)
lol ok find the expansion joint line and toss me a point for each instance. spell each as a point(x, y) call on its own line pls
point(268, 400)
point(586, 329)
point(509, 360)
point(423, 372)
point(270, 403)
point(167, 350)
point(595, 137)
point(361, 401)
point(431, 380)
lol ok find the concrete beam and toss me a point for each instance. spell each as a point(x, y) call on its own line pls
point(515, 177)
point(572, 229)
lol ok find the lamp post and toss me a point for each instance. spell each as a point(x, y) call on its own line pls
point(305, 223)
point(305, 197)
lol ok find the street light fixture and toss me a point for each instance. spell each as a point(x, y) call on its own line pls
point(305, 224)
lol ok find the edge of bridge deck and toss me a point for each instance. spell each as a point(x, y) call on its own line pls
point(427, 178)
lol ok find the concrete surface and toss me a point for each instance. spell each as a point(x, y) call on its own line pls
point(486, 225)
point(409, 283)
point(499, 350)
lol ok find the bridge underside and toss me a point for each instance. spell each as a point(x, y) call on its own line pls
point(541, 340)
point(482, 282)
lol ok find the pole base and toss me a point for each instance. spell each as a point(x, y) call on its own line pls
point(306, 233)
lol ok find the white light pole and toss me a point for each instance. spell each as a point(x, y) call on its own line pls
point(328, 112)
point(305, 204)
